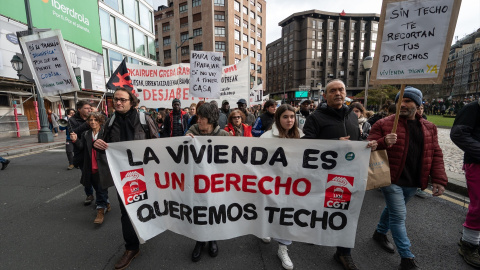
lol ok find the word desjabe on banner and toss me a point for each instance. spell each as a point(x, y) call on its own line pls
point(214, 188)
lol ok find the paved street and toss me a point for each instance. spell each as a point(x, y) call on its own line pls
point(45, 226)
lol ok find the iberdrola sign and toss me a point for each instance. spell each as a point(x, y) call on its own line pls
point(78, 20)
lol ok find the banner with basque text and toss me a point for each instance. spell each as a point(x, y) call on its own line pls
point(215, 188)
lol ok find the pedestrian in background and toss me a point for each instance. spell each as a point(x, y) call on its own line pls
point(414, 156)
point(79, 125)
point(465, 134)
point(4, 162)
point(124, 125)
point(175, 121)
point(242, 106)
point(285, 126)
point(68, 142)
point(303, 112)
point(363, 124)
point(52, 122)
point(264, 121)
point(90, 170)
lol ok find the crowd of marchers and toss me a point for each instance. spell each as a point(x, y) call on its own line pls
point(415, 158)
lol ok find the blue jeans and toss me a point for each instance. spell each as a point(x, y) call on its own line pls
point(101, 199)
point(394, 216)
point(2, 160)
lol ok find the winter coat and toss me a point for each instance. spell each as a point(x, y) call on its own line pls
point(364, 127)
point(465, 132)
point(263, 123)
point(247, 130)
point(79, 126)
point(216, 131)
point(325, 123)
point(86, 145)
point(432, 157)
point(273, 133)
point(54, 117)
point(168, 123)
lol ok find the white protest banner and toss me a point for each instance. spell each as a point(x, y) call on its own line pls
point(156, 86)
point(214, 188)
point(256, 95)
point(45, 54)
point(205, 74)
point(413, 42)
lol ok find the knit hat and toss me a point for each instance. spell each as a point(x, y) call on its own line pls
point(413, 94)
point(176, 100)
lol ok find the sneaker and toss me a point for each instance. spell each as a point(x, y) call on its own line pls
point(408, 264)
point(382, 240)
point(100, 216)
point(422, 194)
point(267, 240)
point(126, 259)
point(70, 167)
point(346, 261)
point(88, 200)
point(5, 164)
point(283, 255)
point(469, 253)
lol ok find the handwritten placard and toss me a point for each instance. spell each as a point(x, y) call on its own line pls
point(205, 74)
point(45, 54)
point(415, 40)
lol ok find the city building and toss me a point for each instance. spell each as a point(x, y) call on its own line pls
point(462, 73)
point(236, 28)
point(316, 47)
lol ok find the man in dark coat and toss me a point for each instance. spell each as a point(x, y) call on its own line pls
point(333, 120)
point(79, 126)
point(414, 156)
point(176, 121)
point(125, 125)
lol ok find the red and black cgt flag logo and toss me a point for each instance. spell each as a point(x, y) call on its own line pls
point(135, 189)
point(120, 78)
point(337, 194)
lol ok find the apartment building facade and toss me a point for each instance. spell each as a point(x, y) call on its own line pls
point(234, 27)
point(319, 46)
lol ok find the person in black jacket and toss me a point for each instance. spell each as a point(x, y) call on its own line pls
point(334, 120)
point(176, 121)
point(465, 134)
point(79, 126)
point(264, 122)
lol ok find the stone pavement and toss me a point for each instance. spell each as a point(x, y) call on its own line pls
point(453, 156)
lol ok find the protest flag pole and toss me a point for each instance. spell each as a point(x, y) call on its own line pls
point(399, 105)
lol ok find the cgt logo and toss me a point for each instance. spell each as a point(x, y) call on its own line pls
point(135, 189)
point(337, 195)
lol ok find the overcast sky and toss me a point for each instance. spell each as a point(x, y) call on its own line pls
point(277, 10)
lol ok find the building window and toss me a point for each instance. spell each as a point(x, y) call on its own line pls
point(330, 45)
point(245, 51)
point(319, 25)
point(220, 17)
point(219, 46)
point(198, 46)
point(197, 32)
point(375, 26)
point(319, 45)
point(252, 66)
point(237, 60)
point(330, 35)
point(259, 57)
point(252, 41)
point(185, 50)
point(237, 49)
point(237, 35)
point(196, 3)
point(169, 14)
point(184, 22)
point(245, 38)
point(313, 44)
point(236, 20)
point(167, 54)
point(183, 8)
point(220, 3)
point(252, 15)
point(259, 32)
point(259, 20)
point(342, 25)
point(245, 24)
point(197, 17)
point(166, 27)
point(259, 7)
point(259, 45)
point(245, 10)
point(219, 31)
point(183, 36)
point(166, 41)
point(252, 54)
point(330, 24)
point(236, 6)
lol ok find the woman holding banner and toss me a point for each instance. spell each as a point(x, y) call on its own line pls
point(284, 126)
point(207, 125)
point(236, 126)
point(90, 173)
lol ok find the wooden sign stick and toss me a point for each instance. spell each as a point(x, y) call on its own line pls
point(399, 105)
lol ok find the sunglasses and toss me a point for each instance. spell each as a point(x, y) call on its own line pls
point(236, 117)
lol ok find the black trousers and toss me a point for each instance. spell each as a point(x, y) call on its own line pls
point(129, 235)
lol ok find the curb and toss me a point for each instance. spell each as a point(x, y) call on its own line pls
point(456, 186)
point(15, 152)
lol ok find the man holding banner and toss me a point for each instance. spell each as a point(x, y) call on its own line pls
point(414, 156)
point(333, 120)
point(125, 125)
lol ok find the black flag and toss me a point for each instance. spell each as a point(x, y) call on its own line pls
point(120, 78)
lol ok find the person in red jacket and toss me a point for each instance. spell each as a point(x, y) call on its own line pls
point(414, 155)
point(236, 126)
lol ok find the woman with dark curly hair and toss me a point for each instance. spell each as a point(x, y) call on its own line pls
point(90, 175)
point(236, 126)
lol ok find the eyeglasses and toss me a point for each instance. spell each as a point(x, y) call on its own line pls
point(236, 117)
point(122, 100)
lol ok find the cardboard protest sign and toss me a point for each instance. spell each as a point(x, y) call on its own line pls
point(45, 54)
point(414, 41)
point(214, 188)
point(157, 86)
point(205, 74)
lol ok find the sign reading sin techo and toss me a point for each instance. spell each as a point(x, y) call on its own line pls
point(415, 38)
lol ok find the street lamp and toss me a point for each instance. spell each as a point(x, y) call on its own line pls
point(179, 46)
point(367, 65)
point(44, 134)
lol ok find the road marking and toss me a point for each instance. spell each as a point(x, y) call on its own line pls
point(63, 194)
point(56, 150)
point(33, 152)
point(450, 199)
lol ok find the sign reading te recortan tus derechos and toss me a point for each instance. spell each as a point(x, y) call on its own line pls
point(45, 54)
point(413, 42)
point(215, 188)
